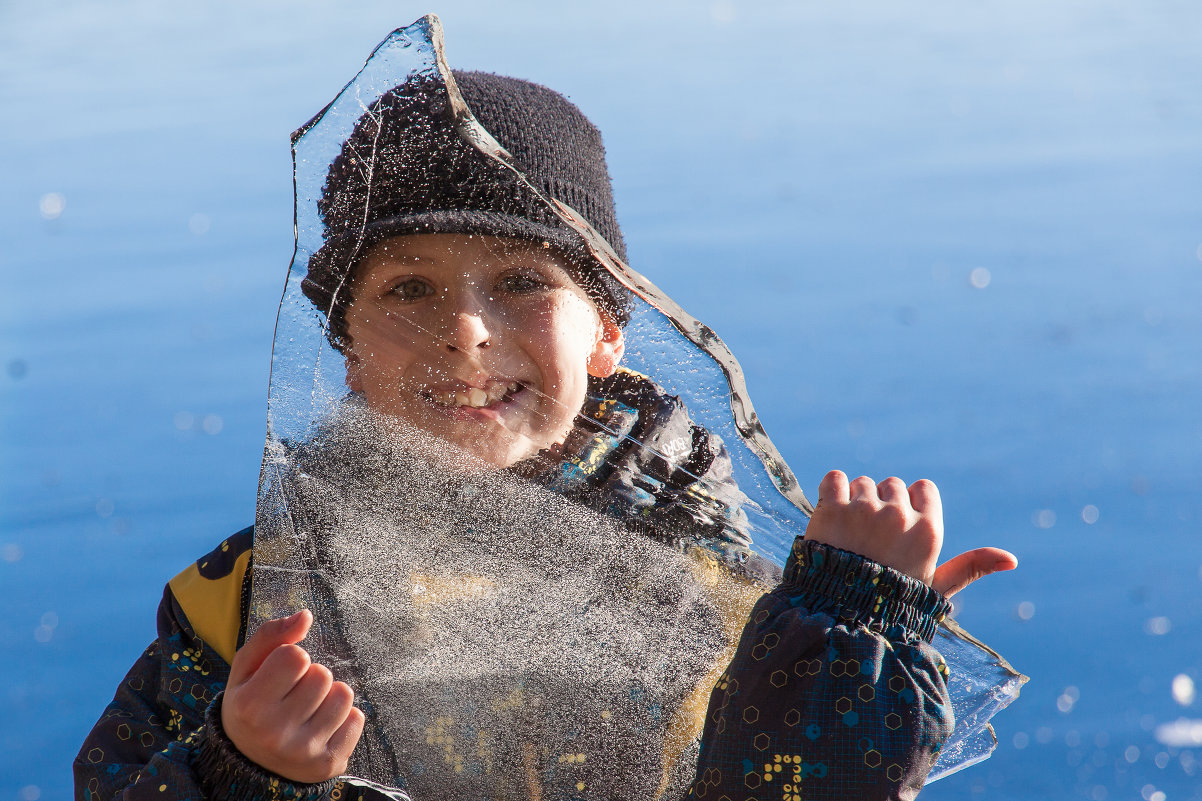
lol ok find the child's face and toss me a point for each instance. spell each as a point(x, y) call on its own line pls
point(484, 342)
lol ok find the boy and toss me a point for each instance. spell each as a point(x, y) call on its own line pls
point(480, 321)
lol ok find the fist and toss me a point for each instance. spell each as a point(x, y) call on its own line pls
point(899, 527)
point(285, 713)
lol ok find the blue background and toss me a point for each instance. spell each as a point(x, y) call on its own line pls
point(817, 181)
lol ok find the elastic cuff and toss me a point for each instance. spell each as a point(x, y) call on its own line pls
point(226, 775)
point(859, 591)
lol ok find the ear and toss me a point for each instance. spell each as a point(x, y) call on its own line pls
point(354, 380)
point(611, 344)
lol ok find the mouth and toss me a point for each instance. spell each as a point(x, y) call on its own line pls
point(493, 393)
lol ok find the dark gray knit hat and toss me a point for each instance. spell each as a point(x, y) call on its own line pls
point(405, 170)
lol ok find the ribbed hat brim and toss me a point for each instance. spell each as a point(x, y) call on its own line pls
point(484, 223)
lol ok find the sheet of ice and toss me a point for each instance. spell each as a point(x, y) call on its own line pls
point(516, 624)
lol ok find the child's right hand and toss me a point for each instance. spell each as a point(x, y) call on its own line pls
point(285, 713)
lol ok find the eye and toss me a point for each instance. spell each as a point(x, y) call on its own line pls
point(412, 289)
point(522, 283)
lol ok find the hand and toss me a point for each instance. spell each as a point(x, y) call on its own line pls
point(285, 713)
point(898, 527)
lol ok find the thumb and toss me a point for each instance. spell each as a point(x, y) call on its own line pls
point(271, 635)
point(958, 572)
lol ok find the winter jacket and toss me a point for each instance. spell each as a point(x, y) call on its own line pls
point(834, 690)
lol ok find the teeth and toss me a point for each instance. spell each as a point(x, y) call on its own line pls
point(474, 396)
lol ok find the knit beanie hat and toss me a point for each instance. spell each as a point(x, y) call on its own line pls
point(405, 169)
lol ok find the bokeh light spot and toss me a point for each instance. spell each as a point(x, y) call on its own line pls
point(17, 368)
point(1158, 626)
point(198, 224)
point(722, 11)
point(52, 205)
point(1183, 689)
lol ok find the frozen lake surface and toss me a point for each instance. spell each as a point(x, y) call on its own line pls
point(964, 246)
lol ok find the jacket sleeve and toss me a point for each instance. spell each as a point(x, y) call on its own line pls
point(161, 736)
point(834, 692)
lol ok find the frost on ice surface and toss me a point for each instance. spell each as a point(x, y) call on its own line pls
point(523, 492)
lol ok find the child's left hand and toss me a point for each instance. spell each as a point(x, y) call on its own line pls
point(898, 527)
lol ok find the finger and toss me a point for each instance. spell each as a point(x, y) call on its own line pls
point(892, 490)
point(958, 572)
point(271, 635)
point(279, 674)
point(333, 711)
point(833, 488)
point(864, 489)
point(310, 690)
point(344, 740)
point(924, 497)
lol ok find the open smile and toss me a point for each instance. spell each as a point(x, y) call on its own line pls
point(493, 394)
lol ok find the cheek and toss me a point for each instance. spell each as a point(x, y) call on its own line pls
point(390, 344)
point(384, 360)
point(561, 342)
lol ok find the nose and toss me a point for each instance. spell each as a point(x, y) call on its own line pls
point(469, 329)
